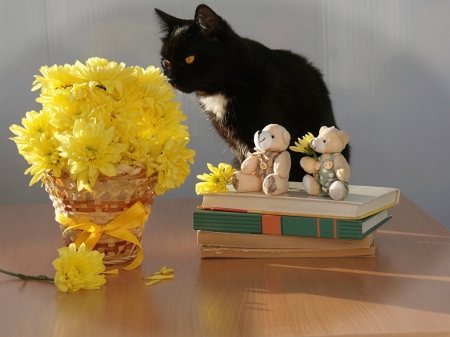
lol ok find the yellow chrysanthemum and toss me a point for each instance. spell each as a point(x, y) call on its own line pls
point(303, 145)
point(44, 158)
point(139, 151)
point(64, 116)
point(78, 269)
point(109, 75)
point(79, 92)
point(36, 126)
point(151, 75)
point(166, 125)
point(216, 181)
point(90, 151)
point(123, 132)
point(128, 108)
point(158, 95)
point(173, 167)
point(54, 77)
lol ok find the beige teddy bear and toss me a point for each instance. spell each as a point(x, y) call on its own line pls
point(268, 168)
point(331, 172)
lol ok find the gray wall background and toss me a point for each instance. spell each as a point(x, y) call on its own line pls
point(386, 63)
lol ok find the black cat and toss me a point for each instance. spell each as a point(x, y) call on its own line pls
point(243, 85)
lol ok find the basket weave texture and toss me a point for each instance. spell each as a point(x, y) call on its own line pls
point(110, 197)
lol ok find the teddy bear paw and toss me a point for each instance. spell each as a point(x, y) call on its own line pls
point(338, 191)
point(235, 181)
point(269, 185)
point(310, 185)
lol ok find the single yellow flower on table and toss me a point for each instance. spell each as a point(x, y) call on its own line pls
point(78, 269)
point(75, 270)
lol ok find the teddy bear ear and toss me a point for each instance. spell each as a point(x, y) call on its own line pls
point(344, 136)
point(286, 136)
point(323, 128)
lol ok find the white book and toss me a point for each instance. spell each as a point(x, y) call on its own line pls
point(361, 202)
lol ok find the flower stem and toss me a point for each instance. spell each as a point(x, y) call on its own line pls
point(27, 277)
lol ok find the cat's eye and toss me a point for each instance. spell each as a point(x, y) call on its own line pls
point(189, 59)
point(165, 64)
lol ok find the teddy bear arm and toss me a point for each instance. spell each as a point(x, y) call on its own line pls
point(282, 164)
point(249, 165)
point(307, 163)
point(342, 168)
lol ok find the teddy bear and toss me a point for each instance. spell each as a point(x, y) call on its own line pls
point(268, 168)
point(332, 171)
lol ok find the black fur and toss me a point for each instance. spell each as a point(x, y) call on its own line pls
point(263, 86)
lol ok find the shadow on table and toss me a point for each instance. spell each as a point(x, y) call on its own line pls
point(416, 278)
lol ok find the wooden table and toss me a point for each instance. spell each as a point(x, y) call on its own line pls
point(404, 290)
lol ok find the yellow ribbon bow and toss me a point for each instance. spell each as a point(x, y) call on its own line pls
point(133, 217)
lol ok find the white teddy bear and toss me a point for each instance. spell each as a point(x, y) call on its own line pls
point(268, 168)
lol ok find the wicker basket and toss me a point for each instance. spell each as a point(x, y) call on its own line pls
point(110, 197)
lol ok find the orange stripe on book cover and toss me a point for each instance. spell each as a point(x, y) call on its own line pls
point(334, 228)
point(271, 224)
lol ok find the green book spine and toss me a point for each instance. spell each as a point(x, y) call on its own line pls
point(227, 222)
point(287, 225)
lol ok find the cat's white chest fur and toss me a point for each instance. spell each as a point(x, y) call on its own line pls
point(216, 104)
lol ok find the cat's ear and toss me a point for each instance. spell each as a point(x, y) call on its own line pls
point(168, 22)
point(208, 21)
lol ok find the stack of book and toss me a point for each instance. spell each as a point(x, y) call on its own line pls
point(295, 224)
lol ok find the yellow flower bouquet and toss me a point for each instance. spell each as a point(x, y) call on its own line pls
point(99, 115)
point(108, 137)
